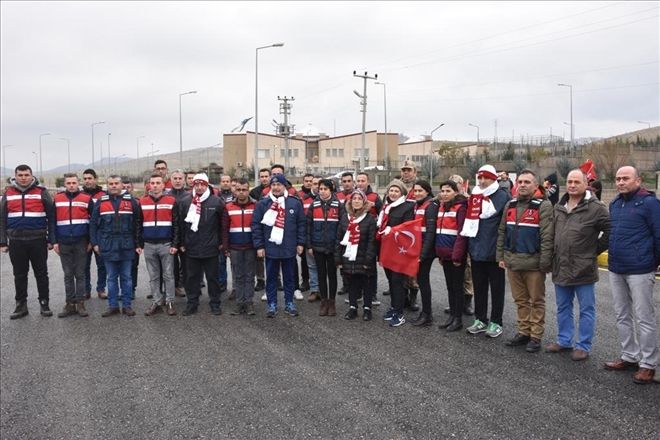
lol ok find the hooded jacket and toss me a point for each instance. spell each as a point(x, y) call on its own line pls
point(365, 260)
point(577, 242)
point(428, 231)
point(294, 228)
point(635, 234)
point(525, 236)
point(323, 218)
point(16, 219)
point(205, 242)
point(484, 246)
point(116, 227)
point(450, 247)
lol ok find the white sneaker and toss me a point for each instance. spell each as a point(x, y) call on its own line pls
point(264, 297)
point(297, 294)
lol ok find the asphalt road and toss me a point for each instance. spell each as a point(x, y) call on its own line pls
point(214, 377)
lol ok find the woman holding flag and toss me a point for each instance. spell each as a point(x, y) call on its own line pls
point(396, 211)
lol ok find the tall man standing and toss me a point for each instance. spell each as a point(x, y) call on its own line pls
point(226, 195)
point(160, 233)
point(115, 232)
point(579, 219)
point(180, 193)
point(256, 194)
point(634, 255)
point(27, 232)
point(279, 234)
point(73, 208)
point(200, 240)
point(524, 248)
point(95, 192)
point(362, 183)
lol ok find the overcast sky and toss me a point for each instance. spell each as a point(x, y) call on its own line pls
point(66, 65)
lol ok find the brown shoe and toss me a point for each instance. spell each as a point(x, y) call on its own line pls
point(232, 295)
point(80, 308)
point(323, 310)
point(579, 355)
point(128, 311)
point(110, 312)
point(171, 311)
point(313, 296)
point(644, 376)
point(332, 311)
point(153, 309)
point(102, 294)
point(180, 292)
point(68, 310)
point(556, 348)
point(88, 295)
point(621, 365)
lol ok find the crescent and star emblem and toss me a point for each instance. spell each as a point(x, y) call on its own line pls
point(403, 249)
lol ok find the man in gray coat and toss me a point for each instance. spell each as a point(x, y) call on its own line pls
point(579, 219)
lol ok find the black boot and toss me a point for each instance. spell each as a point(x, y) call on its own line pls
point(423, 320)
point(418, 318)
point(20, 311)
point(45, 310)
point(412, 299)
point(467, 306)
point(447, 323)
point(456, 325)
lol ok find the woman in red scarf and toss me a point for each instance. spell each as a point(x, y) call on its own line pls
point(356, 251)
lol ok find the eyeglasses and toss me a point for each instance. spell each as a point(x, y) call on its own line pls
point(161, 168)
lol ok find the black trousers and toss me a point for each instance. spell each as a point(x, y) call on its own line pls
point(454, 276)
point(197, 268)
point(179, 270)
point(327, 270)
point(304, 269)
point(358, 286)
point(22, 254)
point(134, 271)
point(398, 291)
point(424, 281)
point(485, 273)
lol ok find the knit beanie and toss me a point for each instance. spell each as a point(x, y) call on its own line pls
point(399, 184)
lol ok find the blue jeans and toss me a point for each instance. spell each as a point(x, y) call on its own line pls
point(313, 273)
point(288, 278)
point(222, 269)
point(100, 272)
point(587, 322)
point(119, 272)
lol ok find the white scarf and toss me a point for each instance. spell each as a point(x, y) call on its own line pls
point(486, 210)
point(352, 248)
point(195, 210)
point(274, 217)
point(383, 217)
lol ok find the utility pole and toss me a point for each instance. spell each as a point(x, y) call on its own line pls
point(495, 136)
point(363, 102)
point(284, 129)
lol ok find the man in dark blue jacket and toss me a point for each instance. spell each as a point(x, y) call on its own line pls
point(279, 234)
point(634, 255)
point(115, 233)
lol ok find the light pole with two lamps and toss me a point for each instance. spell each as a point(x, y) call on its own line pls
point(41, 169)
point(93, 124)
point(477, 127)
point(256, 107)
point(68, 153)
point(181, 128)
point(432, 156)
point(572, 130)
point(387, 151)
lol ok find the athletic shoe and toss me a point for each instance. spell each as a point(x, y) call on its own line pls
point(476, 327)
point(346, 301)
point(397, 320)
point(271, 311)
point(493, 330)
point(297, 294)
point(291, 309)
point(264, 297)
point(389, 314)
point(375, 301)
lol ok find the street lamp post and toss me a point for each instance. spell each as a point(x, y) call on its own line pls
point(572, 131)
point(363, 102)
point(115, 169)
point(41, 169)
point(95, 123)
point(256, 107)
point(68, 154)
point(648, 124)
point(109, 149)
point(137, 141)
point(477, 127)
point(431, 167)
point(387, 151)
point(181, 128)
point(36, 158)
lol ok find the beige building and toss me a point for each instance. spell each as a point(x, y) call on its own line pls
point(311, 151)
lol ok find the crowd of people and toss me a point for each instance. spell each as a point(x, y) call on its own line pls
point(187, 230)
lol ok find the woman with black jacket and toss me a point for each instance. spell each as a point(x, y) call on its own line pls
point(427, 208)
point(356, 251)
point(323, 218)
point(396, 210)
point(451, 248)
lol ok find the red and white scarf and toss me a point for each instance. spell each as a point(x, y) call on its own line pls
point(352, 237)
point(195, 209)
point(479, 207)
point(274, 217)
point(384, 216)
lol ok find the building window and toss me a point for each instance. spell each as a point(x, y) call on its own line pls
point(340, 152)
point(263, 154)
point(293, 152)
point(358, 152)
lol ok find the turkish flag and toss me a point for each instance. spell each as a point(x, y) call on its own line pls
point(401, 248)
point(589, 169)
